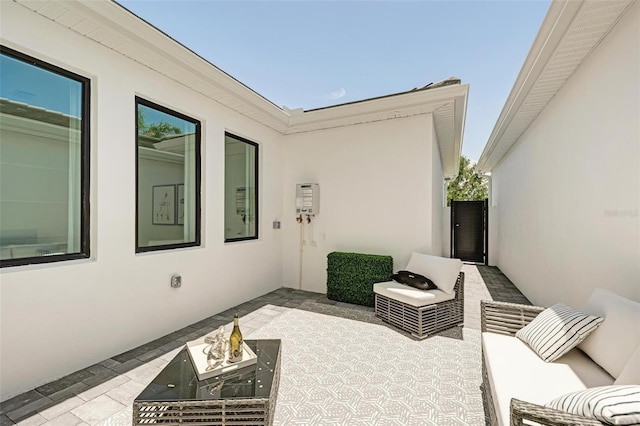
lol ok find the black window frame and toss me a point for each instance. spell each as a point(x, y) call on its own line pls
point(198, 181)
point(257, 190)
point(85, 163)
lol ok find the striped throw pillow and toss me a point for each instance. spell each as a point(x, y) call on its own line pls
point(557, 330)
point(613, 405)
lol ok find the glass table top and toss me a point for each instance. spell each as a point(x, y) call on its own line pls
point(178, 380)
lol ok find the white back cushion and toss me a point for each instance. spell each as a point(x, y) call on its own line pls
point(630, 374)
point(613, 343)
point(443, 271)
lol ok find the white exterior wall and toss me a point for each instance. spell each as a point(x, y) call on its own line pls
point(494, 246)
point(375, 194)
point(437, 194)
point(568, 191)
point(58, 318)
point(446, 229)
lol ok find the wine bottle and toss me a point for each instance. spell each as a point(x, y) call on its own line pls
point(235, 342)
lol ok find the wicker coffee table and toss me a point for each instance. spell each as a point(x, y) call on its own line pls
point(246, 396)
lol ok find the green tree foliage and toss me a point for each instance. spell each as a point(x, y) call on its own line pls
point(161, 129)
point(156, 130)
point(467, 186)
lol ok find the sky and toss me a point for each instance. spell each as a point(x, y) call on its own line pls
point(314, 53)
point(51, 91)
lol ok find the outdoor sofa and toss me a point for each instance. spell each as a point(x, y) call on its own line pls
point(520, 387)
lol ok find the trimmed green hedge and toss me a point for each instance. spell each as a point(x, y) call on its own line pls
point(350, 276)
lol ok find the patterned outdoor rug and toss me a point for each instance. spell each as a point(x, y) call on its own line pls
point(338, 371)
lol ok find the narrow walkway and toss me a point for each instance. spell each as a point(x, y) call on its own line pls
point(486, 283)
point(102, 394)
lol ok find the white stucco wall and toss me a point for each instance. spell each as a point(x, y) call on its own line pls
point(494, 246)
point(375, 194)
point(446, 229)
point(58, 318)
point(568, 191)
point(437, 194)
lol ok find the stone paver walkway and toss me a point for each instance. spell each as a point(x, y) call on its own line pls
point(103, 394)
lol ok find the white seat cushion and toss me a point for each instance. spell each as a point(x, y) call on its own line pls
point(411, 296)
point(515, 371)
point(614, 341)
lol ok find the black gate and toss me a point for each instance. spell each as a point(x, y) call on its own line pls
point(469, 237)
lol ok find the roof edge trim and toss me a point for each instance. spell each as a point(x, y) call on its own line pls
point(554, 26)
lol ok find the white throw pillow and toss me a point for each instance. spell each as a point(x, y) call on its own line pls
point(614, 405)
point(443, 271)
point(620, 330)
point(630, 374)
point(557, 330)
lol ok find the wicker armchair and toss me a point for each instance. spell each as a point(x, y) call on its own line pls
point(508, 318)
point(423, 321)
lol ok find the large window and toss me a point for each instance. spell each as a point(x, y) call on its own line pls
point(168, 178)
point(44, 162)
point(240, 189)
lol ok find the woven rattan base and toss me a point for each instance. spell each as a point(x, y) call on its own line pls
point(487, 397)
point(246, 412)
point(168, 408)
point(423, 321)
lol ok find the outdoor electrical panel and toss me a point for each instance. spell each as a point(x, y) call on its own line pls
point(307, 198)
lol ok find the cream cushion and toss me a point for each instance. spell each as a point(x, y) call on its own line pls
point(410, 295)
point(515, 371)
point(442, 271)
point(620, 328)
point(630, 374)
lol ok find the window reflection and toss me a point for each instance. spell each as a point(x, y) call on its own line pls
point(241, 189)
point(168, 170)
point(44, 140)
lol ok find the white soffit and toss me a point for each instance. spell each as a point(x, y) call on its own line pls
point(570, 32)
point(111, 25)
